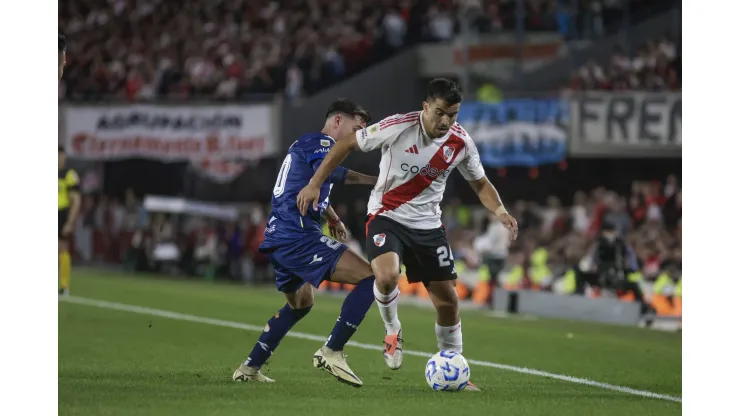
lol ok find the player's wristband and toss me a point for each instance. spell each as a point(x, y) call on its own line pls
point(333, 223)
point(501, 210)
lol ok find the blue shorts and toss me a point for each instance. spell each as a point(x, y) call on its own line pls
point(310, 259)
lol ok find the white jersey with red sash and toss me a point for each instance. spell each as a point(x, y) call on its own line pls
point(414, 168)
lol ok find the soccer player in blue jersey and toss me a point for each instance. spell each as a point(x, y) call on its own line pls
point(302, 254)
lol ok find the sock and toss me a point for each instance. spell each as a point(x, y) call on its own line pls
point(449, 337)
point(388, 305)
point(65, 269)
point(274, 332)
point(354, 308)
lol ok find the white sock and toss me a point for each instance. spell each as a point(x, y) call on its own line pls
point(449, 337)
point(388, 305)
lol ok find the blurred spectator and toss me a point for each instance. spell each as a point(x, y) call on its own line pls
point(671, 186)
point(620, 61)
point(206, 253)
point(83, 234)
point(672, 211)
point(441, 24)
point(293, 83)
point(579, 213)
point(493, 246)
point(616, 214)
point(525, 216)
point(134, 214)
point(550, 214)
point(394, 28)
point(653, 68)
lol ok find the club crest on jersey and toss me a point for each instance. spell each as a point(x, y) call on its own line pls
point(448, 153)
point(379, 239)
point(373, 129)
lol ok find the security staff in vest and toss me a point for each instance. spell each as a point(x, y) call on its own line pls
point(608, 264)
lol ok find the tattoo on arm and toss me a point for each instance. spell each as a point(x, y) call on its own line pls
point(356, 178)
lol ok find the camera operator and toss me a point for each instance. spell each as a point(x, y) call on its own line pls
point(608, 264)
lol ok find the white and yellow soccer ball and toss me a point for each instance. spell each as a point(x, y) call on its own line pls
point(447, 371)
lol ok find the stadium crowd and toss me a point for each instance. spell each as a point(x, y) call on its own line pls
point(655, 67)
point(155, 49)
point(230, 49)
point(554, 237)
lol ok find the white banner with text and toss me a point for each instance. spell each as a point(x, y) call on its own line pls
point(170, 133)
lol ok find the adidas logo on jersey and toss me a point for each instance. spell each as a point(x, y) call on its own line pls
point(413, 149)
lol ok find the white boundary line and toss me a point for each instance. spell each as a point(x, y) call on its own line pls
point(301, 335)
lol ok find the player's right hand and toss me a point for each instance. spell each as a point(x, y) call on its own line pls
point(338, 231)
point(510, 223)
point(309, 195)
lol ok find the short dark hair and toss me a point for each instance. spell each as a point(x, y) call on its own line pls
point(347, 107)
point(445, 89)
point(62, 42)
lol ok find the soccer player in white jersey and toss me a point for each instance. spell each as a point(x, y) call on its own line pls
point(419, 151)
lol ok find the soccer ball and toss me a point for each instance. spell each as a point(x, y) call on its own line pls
point(447, 371)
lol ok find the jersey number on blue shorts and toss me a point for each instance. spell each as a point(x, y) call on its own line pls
point(332, 244)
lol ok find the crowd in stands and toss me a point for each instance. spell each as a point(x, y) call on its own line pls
point(153, 49)
point(146, 49)
point(553, 239)
point(110, 230)
point(656, 66)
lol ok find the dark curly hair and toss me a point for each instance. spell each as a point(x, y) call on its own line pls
point(345, 106)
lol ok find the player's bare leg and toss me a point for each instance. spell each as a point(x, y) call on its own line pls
point(448, 327)
point(299, 304)
point(386, 268)
point(331, 358)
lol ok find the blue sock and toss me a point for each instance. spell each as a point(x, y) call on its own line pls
point(354, 308)
point(274, 332)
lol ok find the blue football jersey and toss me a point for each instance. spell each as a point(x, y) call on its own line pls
point(285, 222)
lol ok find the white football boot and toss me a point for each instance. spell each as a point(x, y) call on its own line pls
point(470, 387)
point(335, 363)
point(244, 373)
point(393, 350)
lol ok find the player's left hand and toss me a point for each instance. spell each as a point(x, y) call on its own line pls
point(510, 223)
point(308, 195)
point(337, 230)
point(67, 229)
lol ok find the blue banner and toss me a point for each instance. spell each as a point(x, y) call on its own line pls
point(523, 132)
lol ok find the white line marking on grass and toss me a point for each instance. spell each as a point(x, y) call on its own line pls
point(237, 325)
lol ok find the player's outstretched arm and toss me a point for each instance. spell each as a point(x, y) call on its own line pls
point(357, 178)
point(310, 193)
point(490, 199)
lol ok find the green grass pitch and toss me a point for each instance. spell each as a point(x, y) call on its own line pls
point(129, 361)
